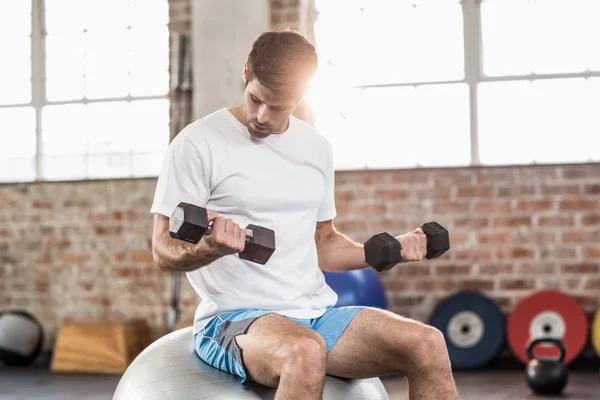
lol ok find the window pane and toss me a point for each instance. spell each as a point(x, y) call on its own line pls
point(106, 72)
point(543, 121)
point(65, 66)
point(105, 140)
point(149, 132)
point(540, 36)
point(149, 61)
point(149, 12)
point(397, 127)
point(383, 41)
point(15, 18)
point(17, 144)
point(17, 132)
point(92, 58)
point(64, 130)
point(15, 69)
point(17, 169)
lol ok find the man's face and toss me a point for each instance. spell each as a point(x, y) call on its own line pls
point(266, 111)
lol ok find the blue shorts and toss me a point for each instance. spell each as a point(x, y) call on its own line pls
point(216, 345)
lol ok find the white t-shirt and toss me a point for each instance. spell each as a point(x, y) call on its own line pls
point(284, 182)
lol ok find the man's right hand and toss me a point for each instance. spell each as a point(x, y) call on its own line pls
point(226, 236)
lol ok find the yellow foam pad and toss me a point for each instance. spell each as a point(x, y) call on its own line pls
point(596, 333)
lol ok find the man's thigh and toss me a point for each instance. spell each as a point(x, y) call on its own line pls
point(249, 343)
point(375, 343)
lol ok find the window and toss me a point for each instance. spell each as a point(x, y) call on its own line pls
point(86, 94)
point(405, 83)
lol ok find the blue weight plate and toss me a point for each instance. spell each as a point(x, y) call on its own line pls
point(473, 326)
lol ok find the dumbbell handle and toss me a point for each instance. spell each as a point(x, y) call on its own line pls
point(249, 232)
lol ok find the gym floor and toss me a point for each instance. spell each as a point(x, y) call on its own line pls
point(36, 384)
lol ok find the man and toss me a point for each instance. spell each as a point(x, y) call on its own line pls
point(274, 323)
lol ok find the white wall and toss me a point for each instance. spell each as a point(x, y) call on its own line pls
point(222, 34)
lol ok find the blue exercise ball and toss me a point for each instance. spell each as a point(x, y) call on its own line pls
point(361, 287)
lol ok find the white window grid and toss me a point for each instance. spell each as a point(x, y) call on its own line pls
point(38, 75)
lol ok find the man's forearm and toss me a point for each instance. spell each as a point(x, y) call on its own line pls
point(174, 255)
point(338, 253)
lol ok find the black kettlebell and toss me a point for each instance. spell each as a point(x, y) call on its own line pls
point(546, 376)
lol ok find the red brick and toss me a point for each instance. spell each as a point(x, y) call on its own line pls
point(534, 205)
point(561, 252)
point(457, 238)
point(71, 258)
point(476, 284)
point(592, 284)
point(366, 209)
point(434, 193)
point(489, 175)
point(515, 252)
point(396, 284)
point(555, 220)
point(477, 254)
point(391, 194)
point(452, 269)
point(474, 191)
point(578, 205)
point(580, 236)
point(536, 269)
point(42, 204)
point(108, 230)
point(494, 237)
point(512, 222)
point(433, 284)
point(351, 194)
point(412, 269)
point(583, 171)
point(142, 257)
point(514, 190)
point(492, 206)
point(450, 207)
point(517, 284)
point(410, 177)
point(495, 269)
point(581, 268)
point(591, 252)
point(471, 223)
point(407, 301)
point(592, 188)
point(590, 219)
point(549, 189)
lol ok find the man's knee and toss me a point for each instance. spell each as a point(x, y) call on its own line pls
point(430, 351)
point(304, 354)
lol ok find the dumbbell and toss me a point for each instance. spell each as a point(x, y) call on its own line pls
point(382, 251)
point(189, 223)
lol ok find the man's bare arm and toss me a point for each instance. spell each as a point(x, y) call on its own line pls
point(175, 255)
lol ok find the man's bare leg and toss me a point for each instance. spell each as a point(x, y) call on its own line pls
point(279, 352)
point(378, 342)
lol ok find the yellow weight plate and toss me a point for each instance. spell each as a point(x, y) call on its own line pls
point(596, 333)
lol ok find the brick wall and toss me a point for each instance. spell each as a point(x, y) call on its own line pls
point(82, 249)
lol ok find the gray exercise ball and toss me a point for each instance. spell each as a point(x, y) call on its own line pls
point(170, 369)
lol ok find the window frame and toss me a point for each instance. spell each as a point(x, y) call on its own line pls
point(38, 90)
point(474, 75)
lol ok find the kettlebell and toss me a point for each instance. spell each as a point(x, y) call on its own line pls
point(546, 376)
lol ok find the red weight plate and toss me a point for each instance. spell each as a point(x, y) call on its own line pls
point(548, 313)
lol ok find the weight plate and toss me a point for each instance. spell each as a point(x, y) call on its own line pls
point(547, 313)
point(596, 333)
point(473, 327)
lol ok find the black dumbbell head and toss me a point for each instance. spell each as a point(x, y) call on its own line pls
point(382, 251)
point(188, 222)
point(260, 246)
point(438, 239)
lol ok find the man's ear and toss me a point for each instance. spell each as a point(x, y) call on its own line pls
point(245, 72)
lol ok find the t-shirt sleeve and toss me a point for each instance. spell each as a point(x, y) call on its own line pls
point(327, 210)
point(184, 176)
